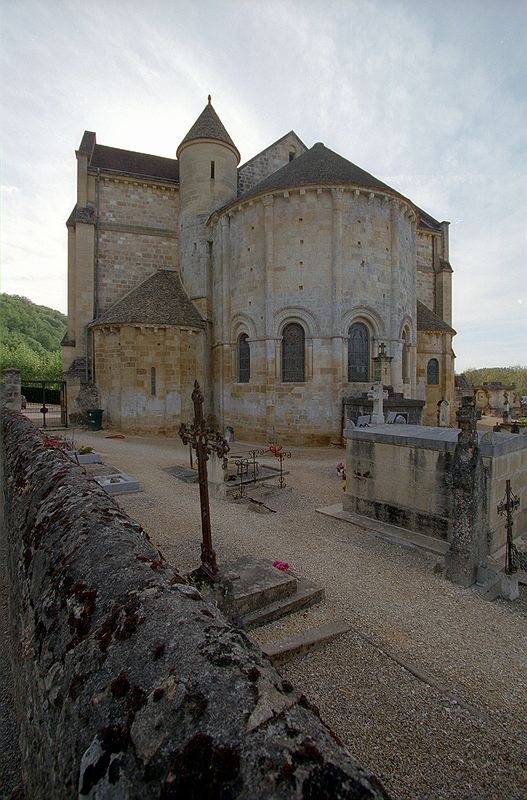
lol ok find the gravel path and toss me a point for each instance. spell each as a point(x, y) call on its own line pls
point(427, 689)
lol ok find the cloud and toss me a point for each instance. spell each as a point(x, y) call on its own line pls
point(429, 98)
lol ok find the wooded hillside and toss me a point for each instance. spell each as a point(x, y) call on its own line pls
point(30, 337)
point(517, 375)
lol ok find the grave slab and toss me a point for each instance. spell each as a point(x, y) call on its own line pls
point(262, 593)
point(183, 473)
point(84, 458)
point(118, 483)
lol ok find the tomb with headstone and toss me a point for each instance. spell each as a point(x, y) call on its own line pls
point(356, 407)
point(433, 481)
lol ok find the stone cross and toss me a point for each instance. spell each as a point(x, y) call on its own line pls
point(205, 441)
point(378, 395)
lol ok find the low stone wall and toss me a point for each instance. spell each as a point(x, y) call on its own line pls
point(128, 685)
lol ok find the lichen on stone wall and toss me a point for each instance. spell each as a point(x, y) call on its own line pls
point(128, 684)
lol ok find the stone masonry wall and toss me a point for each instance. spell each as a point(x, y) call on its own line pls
point(322, 258)
point(128, 685)
point(133, 398)
point(268, 161)
point(425, 269)
point(138, 234)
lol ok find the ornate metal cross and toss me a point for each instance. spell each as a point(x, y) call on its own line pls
point(205, 441)
point(514, 560)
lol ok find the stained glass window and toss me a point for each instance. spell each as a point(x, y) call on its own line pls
point(293, 353)
point(244, 359)
point(432, 372)
point(358, 352)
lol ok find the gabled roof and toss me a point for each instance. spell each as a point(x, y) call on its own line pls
point(208, 126)
point(270, 146)
point(159, 300)
point(427, 320)
point(131, 163)
point(319, 165)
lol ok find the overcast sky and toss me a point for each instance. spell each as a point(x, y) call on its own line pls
point(428, 95)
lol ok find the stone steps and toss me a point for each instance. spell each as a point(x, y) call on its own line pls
point(282, 650)
point(307, 594)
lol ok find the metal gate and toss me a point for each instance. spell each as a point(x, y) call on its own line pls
point(45, 403)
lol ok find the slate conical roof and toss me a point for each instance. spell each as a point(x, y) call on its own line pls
point(159, 300)
point(208, 126)
point(319, 165)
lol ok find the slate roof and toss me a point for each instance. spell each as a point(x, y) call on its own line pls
point(208, 126)
point(427, 221)
point(427, 320)
point(318, 165)
point(141, 164)
point(159, 300)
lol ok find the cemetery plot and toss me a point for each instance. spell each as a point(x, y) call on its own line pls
point(118, 483)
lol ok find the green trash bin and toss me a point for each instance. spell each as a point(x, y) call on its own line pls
point(95, 419)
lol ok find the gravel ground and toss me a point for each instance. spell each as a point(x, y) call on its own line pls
point(455, 731)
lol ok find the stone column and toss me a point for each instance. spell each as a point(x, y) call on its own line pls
point(224, 327)
point(469, 545)
point(11, 392)
point(336, 298)
point(271, 360)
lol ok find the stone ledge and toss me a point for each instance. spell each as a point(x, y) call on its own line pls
point(436, 438)
point(386, 531)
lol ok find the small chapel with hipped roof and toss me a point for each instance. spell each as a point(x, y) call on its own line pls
point(275, 284)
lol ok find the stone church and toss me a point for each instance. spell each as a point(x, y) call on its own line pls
point(275, 284)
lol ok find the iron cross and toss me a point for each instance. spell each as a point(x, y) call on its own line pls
point(506, 508)
point(205, 441)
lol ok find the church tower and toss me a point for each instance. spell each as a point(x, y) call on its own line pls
point(208, 179)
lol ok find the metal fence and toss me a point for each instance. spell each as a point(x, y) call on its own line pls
point(45, 403)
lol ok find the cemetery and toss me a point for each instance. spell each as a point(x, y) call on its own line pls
point(409, 665)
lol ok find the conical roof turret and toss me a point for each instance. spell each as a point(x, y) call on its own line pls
point(208, 126)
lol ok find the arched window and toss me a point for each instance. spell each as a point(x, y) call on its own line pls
point(293, 353)
point(358, 352)
point(244, 359)
point(432, 372)
point(406, 356)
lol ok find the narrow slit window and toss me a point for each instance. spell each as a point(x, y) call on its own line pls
point(212, 170)
point(153, 381)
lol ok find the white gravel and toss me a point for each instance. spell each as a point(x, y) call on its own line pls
point(458, 730)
